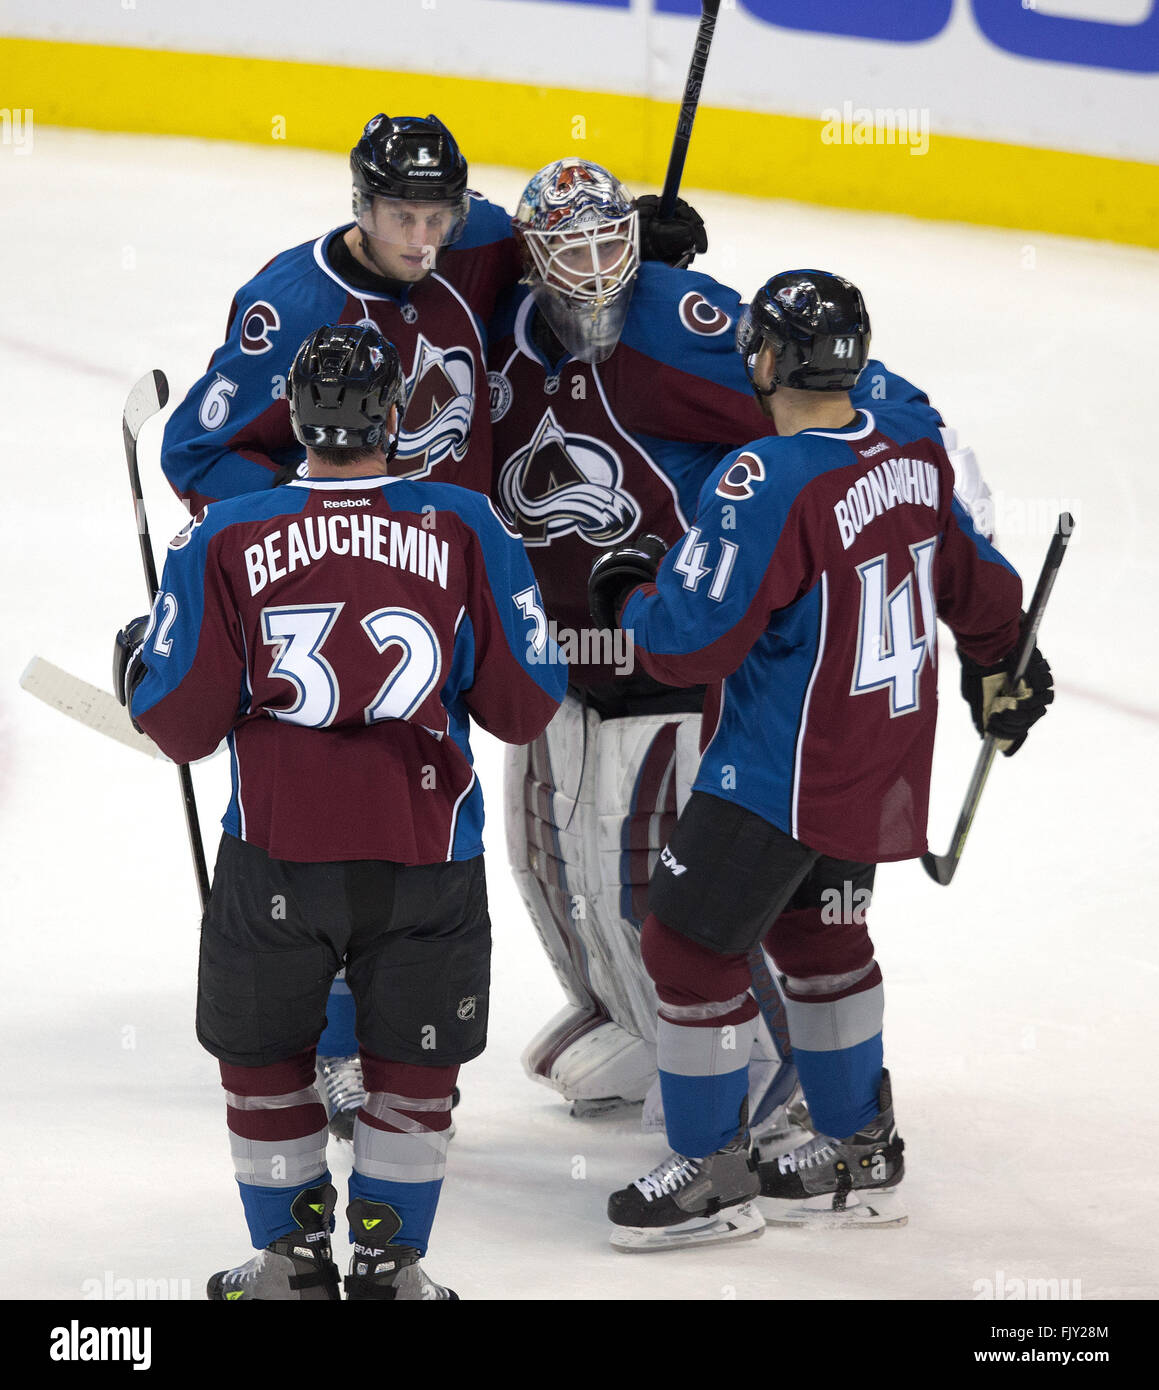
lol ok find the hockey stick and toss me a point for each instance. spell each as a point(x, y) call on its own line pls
point(942, 867)
point(87, 704)
point(709, 9)
point(144, 401)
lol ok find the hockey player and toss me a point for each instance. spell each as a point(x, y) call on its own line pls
point(806, 594)
point(340, 631)
point(615, 391)
point(425, 260)
point(413, 214)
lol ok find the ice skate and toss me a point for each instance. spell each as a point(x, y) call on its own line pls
point(379, 1270)
point(839, 1183)
point(340, 1082)
point(689, 1201)
point(295, 1266)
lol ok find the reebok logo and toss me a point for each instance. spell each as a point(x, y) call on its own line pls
point(873, 449)
point(349, 502)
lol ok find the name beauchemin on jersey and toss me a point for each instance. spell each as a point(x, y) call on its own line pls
point(377, 538)
point(892, 481)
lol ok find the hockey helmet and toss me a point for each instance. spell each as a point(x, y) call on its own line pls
point(577, 228)
point(411, 158)
point(818, 326)
point(342, 385)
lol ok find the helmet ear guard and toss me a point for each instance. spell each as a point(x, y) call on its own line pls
point(818, 326)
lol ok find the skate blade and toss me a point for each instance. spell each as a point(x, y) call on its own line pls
point(743, 1222)
point(862, 1210)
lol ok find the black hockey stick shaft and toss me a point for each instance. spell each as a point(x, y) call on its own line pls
point(942, 867)
point(145, 400)
point(709, 9)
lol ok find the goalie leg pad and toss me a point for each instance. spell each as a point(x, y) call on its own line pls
point(589, 807)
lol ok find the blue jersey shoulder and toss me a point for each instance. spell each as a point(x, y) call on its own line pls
point(486, 222)
point(686, 320)
point(772, 470)
point(473, 508)
point(884, 393)
point(294, 278)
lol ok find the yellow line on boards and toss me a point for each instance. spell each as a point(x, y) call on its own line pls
point(263, 101)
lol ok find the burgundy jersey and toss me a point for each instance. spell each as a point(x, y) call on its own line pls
point(232, 433)
point(341, 633)
point(588, 456)
point(809, 588)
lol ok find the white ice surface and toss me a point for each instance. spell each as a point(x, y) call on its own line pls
point(1021, 1000)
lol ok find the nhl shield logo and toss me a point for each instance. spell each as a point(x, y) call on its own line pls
point(466, 1009)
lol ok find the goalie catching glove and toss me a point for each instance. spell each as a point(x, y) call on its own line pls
point(128, 668)
point(1008, 716)
point(617, 572)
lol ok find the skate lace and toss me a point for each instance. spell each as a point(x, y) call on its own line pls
point(248, 1272)
point(818, 1150)
point(342, 1079)
point(667, 1177)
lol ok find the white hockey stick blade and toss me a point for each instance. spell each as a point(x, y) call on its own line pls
point(87, 704)
point(145, 399)
point(742, 1222)
point(862, 1211)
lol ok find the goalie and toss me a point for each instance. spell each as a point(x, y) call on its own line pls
point(615, 392)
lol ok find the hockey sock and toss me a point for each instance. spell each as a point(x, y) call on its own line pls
point(277, 1135)
point(705, 1031)
point(400, 1143)
point(338, 1038)
point(834, 1003)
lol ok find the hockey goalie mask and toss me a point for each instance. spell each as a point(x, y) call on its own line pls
point(577, 226)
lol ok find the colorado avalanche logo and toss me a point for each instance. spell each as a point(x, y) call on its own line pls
point(258, 322)
point(563, 483)
point(737, 483)
point(440, 402)
point(700, 316)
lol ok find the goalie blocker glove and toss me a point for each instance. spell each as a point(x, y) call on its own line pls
point(617, 572)
point(1007, 716)
point(676, 240)
point(128, 669)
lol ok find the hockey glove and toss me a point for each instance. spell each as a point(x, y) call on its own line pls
point(128, 668)
point(1007, 717)
point(617, 572)
point(676, 239)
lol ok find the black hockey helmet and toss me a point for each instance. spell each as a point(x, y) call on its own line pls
point(408, 157)
point(819, 328)
point(342, 385)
